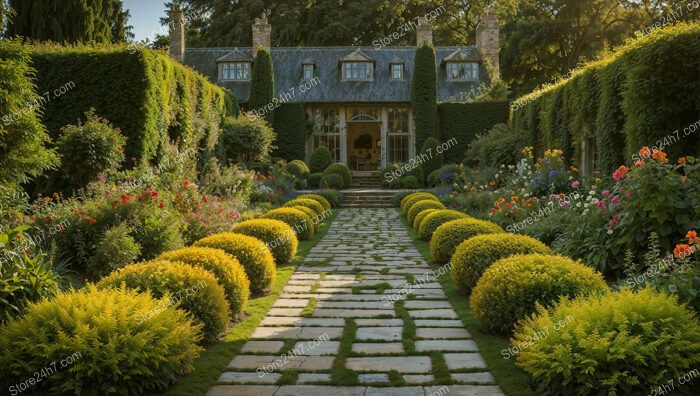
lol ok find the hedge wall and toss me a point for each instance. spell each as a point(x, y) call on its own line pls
point(643, 93)
point(153, 99)
point(290, 126)
point(463, 121)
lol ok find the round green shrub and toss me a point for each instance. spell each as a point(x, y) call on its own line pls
point(277, 235)
point(298, 169)
point(410, 182)
point(332, 196)
point(323, 201)
point(421, 206)
point(251, 252)
point(434, 220)
point(511, 288)
point(474, 255)
point(413, 198)
point(448, 236)
point(315, 180)
point(331, 181)
point(341, 170)
point(315, 223)
point(421, 216)
point(99, 330)
point(309, 203)
point(295, 218)
point(228, 271)
point(619, 343)
point(193, 289)
point(320, 159)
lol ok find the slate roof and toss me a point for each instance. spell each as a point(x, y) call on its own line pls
point(330, 88)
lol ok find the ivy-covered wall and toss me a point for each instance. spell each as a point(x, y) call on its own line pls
point(463, 121)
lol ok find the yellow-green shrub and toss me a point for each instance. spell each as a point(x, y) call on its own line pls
point(315, 220)
point(619, 343)
point(251, 252)
point(448, 236)
point(421, 216)
point(228, 271)
point(474, 255)
point(421, 206)
point(277, 235)
point(193, 289)
point(413, 198)
point(323, 201)
point(295, 218)
point(510, 288)
point(431, 222)
point(309, 203)
point(116, 353)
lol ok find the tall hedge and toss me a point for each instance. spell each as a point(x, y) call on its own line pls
point(290, 126)
point(424, 94)
point(262, 85)
point(151, 98)
point(645, 94)
point(464, 121)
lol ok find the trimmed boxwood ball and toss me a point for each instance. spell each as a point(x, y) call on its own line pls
point(309, 203)
point(341, 170)
point(312, 216)
point(323, 201)
point(298, 169)
point(193, 289)
point(251, 252)
point(621, 343)
point(421, 216)
point(228, 271)
point(320, 159)
point(474, 255)
point(315, 180)
point(421, 206)
point(510, 289)
point(434, 220)
point(331, 181)
point(295, 218)
point(415, 197)
point(100, 330)
point(277, 235)
point(448, 236)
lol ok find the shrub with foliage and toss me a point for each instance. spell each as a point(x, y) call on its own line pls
point(193, 289)
point(277, 235)
point(410, 199)
point(331, 196)
point(295, 218)
point(431, 222)
point(331, 181)
point(299, 169)
point(510, 289)
point(320, 159)
point(84, 325)
point(309, 203)
point(229, 273)
point(323, 201)
point(251, 252)
point(246, 138)
point(448, 236)
point(421, 206)
point(341, 170)
point(616, 343)
point(476, 254)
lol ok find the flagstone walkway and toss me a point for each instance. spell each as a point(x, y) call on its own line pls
point(363, 309)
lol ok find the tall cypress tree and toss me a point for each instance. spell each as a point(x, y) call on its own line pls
point(424, 94)
point(262, 85)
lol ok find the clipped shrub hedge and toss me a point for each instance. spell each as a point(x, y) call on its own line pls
point(415, 197)
point(421, 216)
point(277, 235)
point(464, 121)
point(299, 169)
point(510, 288)
point(295, 218)
point(431, 222)
point(341, 170)
point(309, 203)
point(193, 289)
point(318, 198)
point(99, 331)
point(421, 206)
point(617, 343)
point(476, 254)
point(290, 126)
point(251, 252)
point(448, 236)
point(229, 273)
point(320, 159)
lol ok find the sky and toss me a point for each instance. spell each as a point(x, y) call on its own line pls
point(145, 17)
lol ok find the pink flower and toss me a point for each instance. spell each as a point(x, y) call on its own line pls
point(606, 193)
point(575, 184)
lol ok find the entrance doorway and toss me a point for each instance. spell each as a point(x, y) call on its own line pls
point(364, 145)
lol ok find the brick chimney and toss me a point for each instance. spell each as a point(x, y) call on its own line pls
point(424, 32)
point(261, 34)
point(488, 40)
point(177, 33)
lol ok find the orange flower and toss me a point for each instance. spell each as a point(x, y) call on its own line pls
point(660, 156)
point(645, 152)
point(692, 237)
point(639, 164)
point(682, 160)
point(682, 251)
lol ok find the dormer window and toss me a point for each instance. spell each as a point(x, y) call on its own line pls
point(235, 71)
point(357, 71)
point(397, 72)
point(462, 71)
point(308, 71)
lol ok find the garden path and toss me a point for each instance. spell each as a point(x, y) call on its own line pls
point(345, 324)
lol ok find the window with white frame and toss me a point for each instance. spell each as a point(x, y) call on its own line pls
point(308, 72)
point(357, 71)
point(236, 71)
point(397, 72)
point(462, 71)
